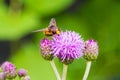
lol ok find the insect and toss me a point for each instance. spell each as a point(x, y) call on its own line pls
point(51, 30)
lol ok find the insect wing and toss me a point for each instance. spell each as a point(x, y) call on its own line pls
point(40, 30)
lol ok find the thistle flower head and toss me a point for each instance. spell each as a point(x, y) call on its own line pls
point(67, 46)
point(91, 50)
point(22, 72)
point(45, 48)
point(9, 69)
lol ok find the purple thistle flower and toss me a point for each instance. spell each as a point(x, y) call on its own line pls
point(22, 72)
point(9, 69)
point(91, 50)
point(68, 46)
point(45, 48)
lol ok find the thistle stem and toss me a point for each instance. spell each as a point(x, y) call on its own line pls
point(88, 65)
point(64, 74)
point(55, 70)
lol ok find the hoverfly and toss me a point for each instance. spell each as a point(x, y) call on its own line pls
point(51, 30)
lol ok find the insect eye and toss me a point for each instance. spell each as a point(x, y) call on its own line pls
point(52, 27)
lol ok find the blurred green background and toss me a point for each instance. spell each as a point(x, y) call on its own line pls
point(97, 19)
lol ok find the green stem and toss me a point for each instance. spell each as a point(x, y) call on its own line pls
point(64, 74)
point(55, 70)
point(88, 65)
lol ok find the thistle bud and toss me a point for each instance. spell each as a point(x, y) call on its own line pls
point(9, 69)
point(22, 72)
point(45, 48)
point(91, 50)
point(25, 78)
point(2, 76)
